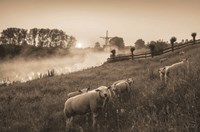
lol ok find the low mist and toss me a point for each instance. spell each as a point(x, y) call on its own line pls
point(23, 70)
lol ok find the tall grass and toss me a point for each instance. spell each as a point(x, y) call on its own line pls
point(38, 105)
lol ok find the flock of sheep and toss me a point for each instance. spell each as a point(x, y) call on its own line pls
point(90, 101)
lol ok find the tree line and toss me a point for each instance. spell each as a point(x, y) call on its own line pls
point(156, 47)
point(37, 37)
point(34, 42)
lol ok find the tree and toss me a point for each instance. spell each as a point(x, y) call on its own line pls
point(21, 36)
point(117, 42)
point(34, 33)
point(140, 44)
point(9, 35)
point(160, 45)
point(194, 37)
point(152, 48)
point(113, 53)
point(132, 50)
point(37, 37)
point(173, 40)
point(97, 46)
point(72, 42)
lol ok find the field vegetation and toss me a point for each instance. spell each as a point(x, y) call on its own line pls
point(38, 105)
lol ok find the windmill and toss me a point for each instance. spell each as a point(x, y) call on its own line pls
point(106, 39)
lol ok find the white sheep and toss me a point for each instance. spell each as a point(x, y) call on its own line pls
point(166, 70)
point(88, 102)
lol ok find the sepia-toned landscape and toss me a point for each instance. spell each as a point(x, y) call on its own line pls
point(105, 66)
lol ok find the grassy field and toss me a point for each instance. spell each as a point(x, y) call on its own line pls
point(38, 105)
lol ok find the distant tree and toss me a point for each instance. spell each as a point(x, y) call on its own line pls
point(117, 42)
point(21, 36)
point(140, 44)
point(97, 46)
point(152, 48)
point(34, 33)
point(157, 47)
point(194, 37)
point(132, 50)
point(37, 37)
point(64, 39)
point(173, 40)
point(72, 42)
point(9, 34)
point(3, 40)
point(113, 53)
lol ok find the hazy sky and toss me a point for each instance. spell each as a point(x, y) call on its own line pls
point(87, 20)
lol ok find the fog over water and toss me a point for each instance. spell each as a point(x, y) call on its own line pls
point(24, 70)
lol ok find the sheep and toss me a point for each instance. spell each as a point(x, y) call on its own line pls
point(89, 102)
point(72, 94)
point(166, 70)
point(122, 86)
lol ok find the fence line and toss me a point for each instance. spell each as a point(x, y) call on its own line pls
point(149, 54)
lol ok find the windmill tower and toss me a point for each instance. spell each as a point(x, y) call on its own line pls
point(106, 39)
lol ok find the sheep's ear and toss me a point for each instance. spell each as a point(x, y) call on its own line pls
point(88, 89)
point(97, 90)
point(109, 87)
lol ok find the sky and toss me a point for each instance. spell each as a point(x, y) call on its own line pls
point(88, 20)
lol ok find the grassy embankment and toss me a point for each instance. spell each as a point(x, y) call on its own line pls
point(38, 105)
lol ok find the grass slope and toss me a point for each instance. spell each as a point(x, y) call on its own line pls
point(38, 105)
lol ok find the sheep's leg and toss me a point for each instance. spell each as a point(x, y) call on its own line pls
point(68, 122)
point(161, 77)
point(166, 78)
point(94, 118)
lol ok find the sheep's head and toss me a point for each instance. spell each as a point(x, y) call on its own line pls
point(162, 70)
point(103, 91)
point(130, 81)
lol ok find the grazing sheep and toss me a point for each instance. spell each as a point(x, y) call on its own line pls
point(72, 94)
point(89, 102)
point(166, 70)
point(121, 86)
